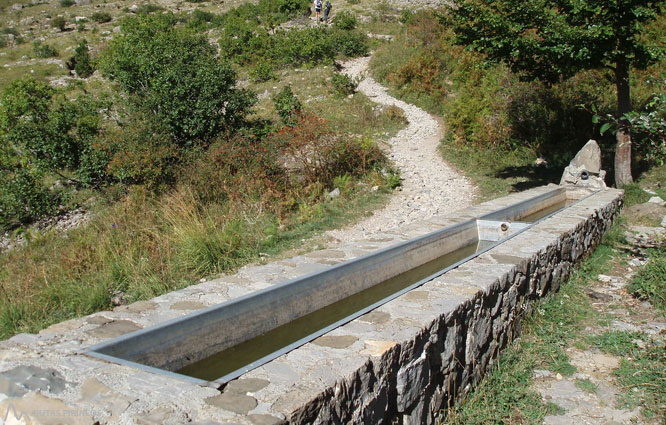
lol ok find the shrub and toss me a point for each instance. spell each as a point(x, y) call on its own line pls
point(59, 22)
point(141, 153)
point(200, 19)
point(66, 3)
point(315, 154)
point(10, 31)
point(23, 198)
point(345, 20)
point(263, 71)
point(350, 44)
point(174, 74)
point(3, 42)
point(43, 50)
point(394, 113)
point(343, 85)
point(101, 17)
point(81, 62)
point(245, 43)
point(148, 8)
point(45, 129)
point(287, 105)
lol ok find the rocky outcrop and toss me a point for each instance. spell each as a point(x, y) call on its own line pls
point(585, 169)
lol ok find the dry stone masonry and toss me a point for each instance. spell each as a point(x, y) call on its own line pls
point(405, 360)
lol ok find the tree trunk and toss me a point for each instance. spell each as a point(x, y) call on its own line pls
point(623, 136)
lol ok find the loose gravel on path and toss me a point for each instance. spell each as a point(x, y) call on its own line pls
point(430, 187)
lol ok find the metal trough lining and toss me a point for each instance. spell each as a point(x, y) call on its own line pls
point(169, 335)
point(170, 345)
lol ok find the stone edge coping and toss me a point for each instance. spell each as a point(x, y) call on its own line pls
point(297, 377)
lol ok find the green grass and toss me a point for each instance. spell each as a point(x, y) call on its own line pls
point(642, 371)
point(147, 246)
point(505, 394)
point(650, 281)
point(634, 194)
point(495, 171)
point(587, 386)
point(356, 115)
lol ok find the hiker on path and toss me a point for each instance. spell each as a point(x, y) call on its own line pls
point(327, 10)
point(317, 7)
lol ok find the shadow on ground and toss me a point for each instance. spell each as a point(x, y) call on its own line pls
point(529, 176)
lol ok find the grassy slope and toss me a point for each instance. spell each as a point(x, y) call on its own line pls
point(145, 245)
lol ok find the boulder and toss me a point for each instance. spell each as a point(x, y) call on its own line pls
point(585, 169)
point(657, 200)
point(589, 157)
point(648, 209)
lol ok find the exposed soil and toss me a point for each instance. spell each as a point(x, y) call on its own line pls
point(600, 403)
point(429, 187)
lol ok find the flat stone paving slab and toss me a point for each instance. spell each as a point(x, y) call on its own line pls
point(349, 363)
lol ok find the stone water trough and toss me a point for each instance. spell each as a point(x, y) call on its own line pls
point(393, 327)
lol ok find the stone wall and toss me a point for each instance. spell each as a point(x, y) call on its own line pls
point(415, 379)
point(403, 361)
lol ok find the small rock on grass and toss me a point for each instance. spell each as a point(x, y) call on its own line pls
point(657, 200)
point(334, 193)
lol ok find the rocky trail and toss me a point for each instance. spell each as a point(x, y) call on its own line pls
point(429, 186)
point(600, 402)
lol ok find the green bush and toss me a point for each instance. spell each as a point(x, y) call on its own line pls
point(141, 153)
point(59, 22)
point(173, 73)
point(67, 3)
point(287, 105)
point(43, 128)
point(23, 198)
point(200, 19)
point(43, 50)
point(263, 71)
point(148, 8)
point(350, 44)
point(246, 43)
point(101, 17)
point(81, 62)
point(345, 20)
point(343, 85)
point(10, 31)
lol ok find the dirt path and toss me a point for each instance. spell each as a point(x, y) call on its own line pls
point(429, 187)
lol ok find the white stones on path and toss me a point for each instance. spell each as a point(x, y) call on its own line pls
point(429, 187)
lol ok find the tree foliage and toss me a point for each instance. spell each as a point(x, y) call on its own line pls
point(554, 39)
point(551, 39)
point(42, 129)
point(81, 62)
point(174, 74)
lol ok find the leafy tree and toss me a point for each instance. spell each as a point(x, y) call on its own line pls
point(59, 22)
point(175, 74)
point(81, 62)
point(45, 131)
point(287, 105)
point(553, 39)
